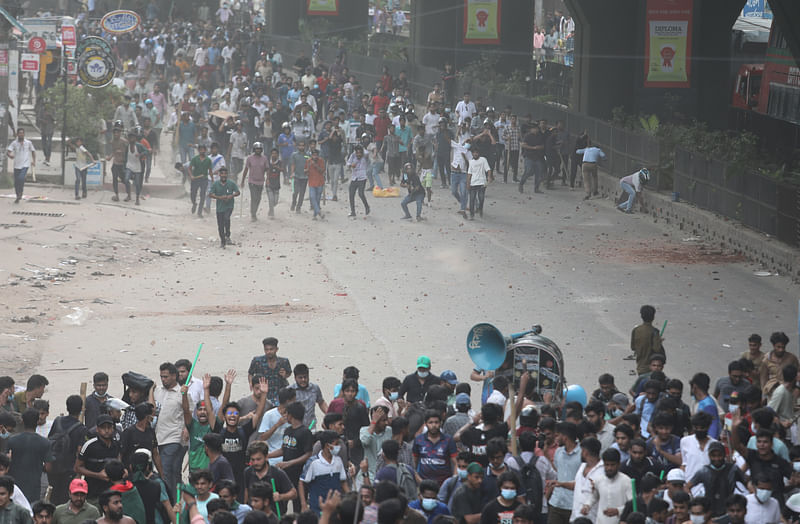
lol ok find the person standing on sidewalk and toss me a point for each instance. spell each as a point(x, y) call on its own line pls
point(315, 169)
point(256, 166)
point(83, 159)
point(298, 175)
point(24, 155)
point(533, 150)
point(358, 180)
point(591, 155)
point(199, 168)
point(224, 191)
point(47, 126)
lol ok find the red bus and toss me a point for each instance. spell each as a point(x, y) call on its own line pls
point(771, 88)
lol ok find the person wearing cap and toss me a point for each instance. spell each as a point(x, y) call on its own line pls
point(93, 455)
point(450, 381)
point(676, 483)
point(76, 510)
point(62, 468)
point(469, 498)
point(718, 478)
point(416, 385)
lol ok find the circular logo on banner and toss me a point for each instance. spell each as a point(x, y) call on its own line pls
point(93, 43)
point(96, 69)
point(120, 21)
point(37, 44)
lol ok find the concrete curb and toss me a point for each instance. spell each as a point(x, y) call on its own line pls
point(758, 247)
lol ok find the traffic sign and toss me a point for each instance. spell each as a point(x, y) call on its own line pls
point(37, 44)
point(29, 62)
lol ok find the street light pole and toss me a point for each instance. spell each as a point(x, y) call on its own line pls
point(64, 118)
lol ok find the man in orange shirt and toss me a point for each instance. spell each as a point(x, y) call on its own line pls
point(315, 167)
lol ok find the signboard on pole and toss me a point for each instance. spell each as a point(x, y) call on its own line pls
point(68, 36)
point(120, 21)
point(96, 69)
point(37, 44)
point(323, 7)
point(668, 45)
point(94, 175)
point(29, 62)
point(4, 62)
point(482, 21)
point(43, 28)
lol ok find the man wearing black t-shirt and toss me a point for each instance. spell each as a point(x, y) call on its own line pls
point(140, 436)
point(533, 150)
point(236, 437)
point(260, 470)
point(93, 456)
point(296, 448)
point(474, 436)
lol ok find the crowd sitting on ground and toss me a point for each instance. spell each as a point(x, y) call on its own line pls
point(415, 450)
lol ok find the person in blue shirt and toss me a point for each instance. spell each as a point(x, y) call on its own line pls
point(427, 503)
point(353, 372)
point(591, 155)
point(705, 403)
point(404, 134)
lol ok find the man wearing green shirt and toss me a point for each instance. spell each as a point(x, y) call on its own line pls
point(11, 512)
point(199, 168)
point(224, 191)
point(198, 427)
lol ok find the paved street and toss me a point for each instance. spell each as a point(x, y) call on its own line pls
point(374, 291)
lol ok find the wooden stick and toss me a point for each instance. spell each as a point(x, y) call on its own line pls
point(83, 398)
point(513, 416)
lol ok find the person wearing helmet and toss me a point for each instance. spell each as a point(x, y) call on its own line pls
point(256, 166)
point(118, 147)
point(416, 193)
point(633, 184)
point(224, 191)
point(135, 162)
point(358, 162)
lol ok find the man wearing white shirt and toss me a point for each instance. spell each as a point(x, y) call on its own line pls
point(227, 57)
point(178, 90)
point(610, 491)
point(274, 422)
point(694, 447)
point(587, 475)
point(431, 121)
point(24, 155)
point(465, 109)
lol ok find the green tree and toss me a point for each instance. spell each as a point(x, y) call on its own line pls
point(85, 108)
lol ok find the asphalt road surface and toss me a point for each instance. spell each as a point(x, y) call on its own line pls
point(148, 284)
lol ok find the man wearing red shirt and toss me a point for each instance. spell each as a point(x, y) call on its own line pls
point(379, 101)
point(381, 125)
point(315, 167)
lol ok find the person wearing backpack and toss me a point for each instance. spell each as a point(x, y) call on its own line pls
point(533, 471)
point(66, 436)
point(399, 474)
point(427, 503)
point(450, 485)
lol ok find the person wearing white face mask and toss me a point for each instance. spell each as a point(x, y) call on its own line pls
point(416, 385)
point(391, 397)
point(450, 485)
point(323, 474)
point(501, 509)
point(427, 503)
point(762, 508)
point(700, 510)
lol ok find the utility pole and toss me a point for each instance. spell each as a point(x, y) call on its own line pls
point(64, 117)
point(7, 44)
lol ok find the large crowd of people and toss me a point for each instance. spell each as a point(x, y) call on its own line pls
point(180, 447)
point(415, 450)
